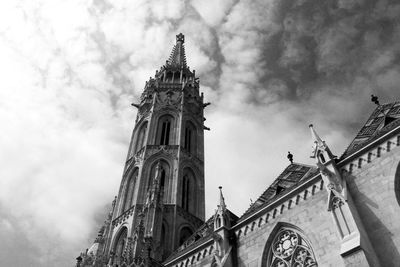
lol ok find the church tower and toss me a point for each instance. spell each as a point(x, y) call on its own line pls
point(161, 197)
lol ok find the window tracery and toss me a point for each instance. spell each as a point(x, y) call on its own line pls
point(290, 249)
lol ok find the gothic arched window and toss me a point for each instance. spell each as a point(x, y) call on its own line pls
point(189, 195)
point(119, 245)
point(128, 191)
point(184, 234)
point(289, 248)
point(165, 123)
point(141, 137)
point(190, 137)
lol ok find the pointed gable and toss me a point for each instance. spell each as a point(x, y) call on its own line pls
point(384, 118)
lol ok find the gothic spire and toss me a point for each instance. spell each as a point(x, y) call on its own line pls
point(316, 139)
point(221, 199)
point(177, 58)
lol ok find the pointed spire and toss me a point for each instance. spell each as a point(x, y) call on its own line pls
point(221, 199)
point(178, 57)
point(318, 143)
point(316, 137)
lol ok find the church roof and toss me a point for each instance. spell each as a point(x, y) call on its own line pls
point(384, 118)
point(293, 175)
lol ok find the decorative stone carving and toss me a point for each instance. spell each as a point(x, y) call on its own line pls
point(154, 149)
point(290, 249)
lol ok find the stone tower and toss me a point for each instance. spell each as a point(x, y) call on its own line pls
point(161, 197)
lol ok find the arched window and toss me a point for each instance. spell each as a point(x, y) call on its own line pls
point(190, 137)
point(141, 137)
point(189, 195)
point(184, 234)
point(321, 157)
point(128, 191)
point(165, 123)
point(397, 183)
point(120, 246)
point(290, 248)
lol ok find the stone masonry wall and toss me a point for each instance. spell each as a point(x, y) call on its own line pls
point(311, 216)
point(371, 184)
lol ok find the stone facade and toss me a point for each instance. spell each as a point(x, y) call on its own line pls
point(342, 212)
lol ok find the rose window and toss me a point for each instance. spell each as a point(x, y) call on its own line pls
point(289, 249)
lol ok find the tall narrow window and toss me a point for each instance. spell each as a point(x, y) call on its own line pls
point(289, 248)
point(128, 193)
point(141, 137)
point(190, 137)
point(397, 184)
point(119, 246)
point(189, 195)
point(164, 130)
point(185, 193)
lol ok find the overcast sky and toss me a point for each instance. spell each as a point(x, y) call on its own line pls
point(70, 69)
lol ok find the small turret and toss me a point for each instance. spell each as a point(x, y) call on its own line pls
point(221, 235)
point(221, 218)
point(326, 163)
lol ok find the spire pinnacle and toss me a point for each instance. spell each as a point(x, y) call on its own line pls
point(221, 199)
point(177, 58)
point(315, 136)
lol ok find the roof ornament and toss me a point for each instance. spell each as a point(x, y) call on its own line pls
point(290, 157)
point(375, 100)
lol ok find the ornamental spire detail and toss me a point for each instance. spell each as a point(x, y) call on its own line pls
point(177, 58)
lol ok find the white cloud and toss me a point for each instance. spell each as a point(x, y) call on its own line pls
point(71, 69)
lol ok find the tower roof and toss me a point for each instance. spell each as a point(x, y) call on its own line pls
point(384, 118)
point(177, 59)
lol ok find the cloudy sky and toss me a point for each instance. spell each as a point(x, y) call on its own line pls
point(70, 69)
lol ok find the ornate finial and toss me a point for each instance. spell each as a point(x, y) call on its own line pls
point(375, 99)
point(290, 157)
point(180, 38)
